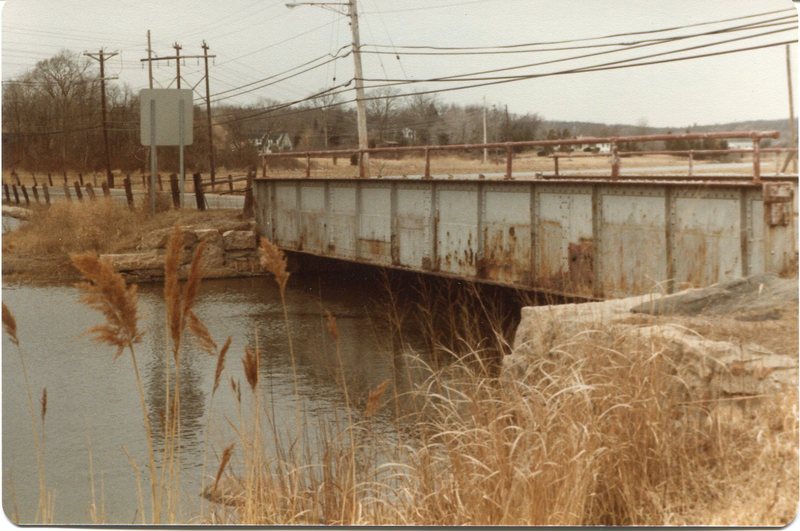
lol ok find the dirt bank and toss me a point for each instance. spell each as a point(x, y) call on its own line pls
point(39, 250)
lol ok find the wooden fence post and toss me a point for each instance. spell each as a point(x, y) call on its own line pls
point(35, 182)
point(66, 192)
point(230, 183)
point(78, 192)
point(128, 191)
point(198, 192)
point(106, 189)
point(16, 178)
point(46, 191)
point(176, 192)
point(248, 195)
point(35, 190)
point(25, 193)
point(90, 192)
point(160, 184)
point(80, 178)
point(50, 179)
point(6, 192)
point(65, 178)
point(16, 194)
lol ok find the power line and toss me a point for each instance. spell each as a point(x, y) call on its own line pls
point(466, 77)
point(500, 81)
point(584, 39)
point(757, 25)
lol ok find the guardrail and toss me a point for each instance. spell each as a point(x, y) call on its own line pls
point(509, 147)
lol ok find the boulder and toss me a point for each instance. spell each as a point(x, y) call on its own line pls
point(136, 261)
point(158, 239)
point(213, 255)
point(236, 240)
point(16, 212)
point(210, 236)
point(717, 367)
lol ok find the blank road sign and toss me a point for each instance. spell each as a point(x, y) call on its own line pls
point(167, 113)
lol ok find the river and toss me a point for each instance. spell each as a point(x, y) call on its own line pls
point(93, 412)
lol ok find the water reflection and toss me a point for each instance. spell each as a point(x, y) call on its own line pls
point(94, 403)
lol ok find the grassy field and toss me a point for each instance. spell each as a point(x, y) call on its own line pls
point(441, 164)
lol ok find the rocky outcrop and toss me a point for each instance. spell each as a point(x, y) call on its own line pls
point(736, 363)
point(230, 251)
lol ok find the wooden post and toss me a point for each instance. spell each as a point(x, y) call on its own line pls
point(128, 191)
point(50, 179)
point(16, 194)
point(46, 191)
point(35, 182)
point(7, 193)
point(106, 189)
point(555, 159)
point(78, 192)
point(176, 192)
point(198, 192)
point(66, 193)
point(614, 161)
point(80, 178)
point(16, 178)
point(65, 178)
point(35, 190)
point(90, 192)
point(144, 182)
point(230, 183)
point(94, 179)
point(509, 159)
point(427, 164)
point(160, 184)
point(25, 194)
point(248, 195)
point(308, 165)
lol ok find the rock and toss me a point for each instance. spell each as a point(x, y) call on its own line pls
point(157, 239)
point(210, 236)
point(16, 212)
point(213, 255)
point(717, 367)
point(239, 240)
point(136, 261)
point(756, 297)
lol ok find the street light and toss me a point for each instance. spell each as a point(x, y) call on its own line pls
point(361, 110)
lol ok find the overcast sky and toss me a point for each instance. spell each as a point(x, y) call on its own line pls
point(254, 39)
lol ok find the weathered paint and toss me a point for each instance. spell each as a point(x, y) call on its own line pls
point(591, 239)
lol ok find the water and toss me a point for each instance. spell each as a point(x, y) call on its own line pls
point(93, 412)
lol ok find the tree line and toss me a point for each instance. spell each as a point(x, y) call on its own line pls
point(53, 122)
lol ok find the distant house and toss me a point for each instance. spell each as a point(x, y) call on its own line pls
point(409, 135)
point(601, 147)
point(269, 143)
point(740, 144)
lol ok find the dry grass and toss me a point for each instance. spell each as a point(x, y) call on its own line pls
point(601, 431)
point(41, 248)
point(454, 164)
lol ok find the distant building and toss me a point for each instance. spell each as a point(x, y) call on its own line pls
point(269, 143)
point(740, 144)
point(601, 147)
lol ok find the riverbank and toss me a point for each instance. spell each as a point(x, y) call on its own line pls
point(39, 249)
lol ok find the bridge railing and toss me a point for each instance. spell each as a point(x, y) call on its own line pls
point(360, 157)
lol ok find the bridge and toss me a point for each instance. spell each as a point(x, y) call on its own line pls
point(622, 232)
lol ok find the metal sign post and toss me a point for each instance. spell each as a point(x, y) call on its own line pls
point(153, 155)
point(170, 126)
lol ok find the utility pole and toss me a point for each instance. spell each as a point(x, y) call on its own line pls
point(208, 119)
point(485, 141)
point(361, 108)
point(101, 57)
point(149, 60)
point(178, 49)
point(792, 121)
